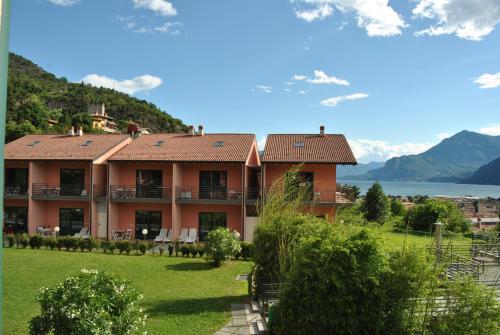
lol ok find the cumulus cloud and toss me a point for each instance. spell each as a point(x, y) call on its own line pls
point(299, 77)
point(488, 80)
point(467, 19)
point(318, 13)
point(321, 77)
point(492, 129)
point(303, 92)
point(377, 17)
point(161, 7)
point(64, 2)
point(334, 101)
point(262, 88)
point(169, 28)
point(378, 150)
point(130, 86)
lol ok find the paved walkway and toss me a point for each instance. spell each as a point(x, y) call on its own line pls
point(238, 324)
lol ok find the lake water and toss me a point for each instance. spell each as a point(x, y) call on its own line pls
point(430, 189)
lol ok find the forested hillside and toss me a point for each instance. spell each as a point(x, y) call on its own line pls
point(35, 96)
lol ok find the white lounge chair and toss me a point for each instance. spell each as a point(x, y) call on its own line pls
point(84, 233)
point(193, 235)
point(183, 235)
point(128, 235)
point(163, 234)
point(169, 237)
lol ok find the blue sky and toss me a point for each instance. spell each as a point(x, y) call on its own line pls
point(394, 76)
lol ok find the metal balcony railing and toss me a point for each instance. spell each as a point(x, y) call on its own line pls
point(132, 192)
point(311, 195)
point(189, 193)
point(100, 191)
point(15, 190)
point(253, 193)
point(49, 191)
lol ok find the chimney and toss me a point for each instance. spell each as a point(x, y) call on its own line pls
point(200, 130)
point(322, 130)
point(71, 131)
point(79, 131)
point(191, 130)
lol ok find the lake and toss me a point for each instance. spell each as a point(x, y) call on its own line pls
point(426, 188)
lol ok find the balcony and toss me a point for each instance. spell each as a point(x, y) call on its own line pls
point(252, 195)
point(209, 195)
point(133, 193)
point(15, 192)
point(100, 192)
point(315, 197)
point(42, 191)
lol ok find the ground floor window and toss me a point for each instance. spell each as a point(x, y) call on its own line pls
point(211, 221)
point(16, 220)
point(150, 220)
point(70, 221)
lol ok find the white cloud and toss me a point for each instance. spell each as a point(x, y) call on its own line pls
point(303, 92)
point(299, 77)
point(321, 77)
point(377, 17)
point(162, 7)
point(64, 2)
point(378, 150)
point(488, 80)
point(169, 28)
point(443, 135)
point(493, 129)
point(467, 19)
point(261, 143)
point(130, 86)
point(262, 88)
point(334, 101)
point(287, 89)
point(318, 13)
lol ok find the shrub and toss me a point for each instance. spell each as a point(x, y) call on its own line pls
point(24, 240)
point(142, 247)
point(184, 250)
point(81, 244)
point(92, 244)
point(105, 246)
point(170, 249)
point(91, 302)
point(397, 207)
point(71, 243)
point(161, 250)
point(246, 251)
point(201, 249)
point(193, 250)
point(61, 243)
point(123, 246)
point(11, 240)
point(50, 243)
point(375, 204)
point(423, 216)
point(222, 244)
point(177, 248)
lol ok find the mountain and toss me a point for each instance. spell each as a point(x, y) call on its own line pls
point(488, 174)
point(35, 96)
point(357, 170)
point(452, 160)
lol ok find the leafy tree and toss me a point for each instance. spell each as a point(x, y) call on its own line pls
point(375, 204)
point(351, 192)
point(83, 120)
point(397, 207)
point(15, 130)
point(423, 216)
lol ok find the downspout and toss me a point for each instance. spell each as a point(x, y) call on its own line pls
point(91, 195)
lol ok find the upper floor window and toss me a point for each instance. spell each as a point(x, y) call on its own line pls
point(149, 183)
point(72, 182)
point(17, 178)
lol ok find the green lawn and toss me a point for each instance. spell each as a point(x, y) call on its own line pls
point(181, 295)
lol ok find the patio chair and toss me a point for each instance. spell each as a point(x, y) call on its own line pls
point(169, 237)
point(40, 230)
point(84, 233)
point(128, 235)
point(183, 235)
point(193, 235)
point(163, 234)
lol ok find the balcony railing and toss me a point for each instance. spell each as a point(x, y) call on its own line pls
point(209, 194)
point(143, 193)
point(14, 191)
point(253, 193)
point(55, 191)
point(315, 196)
point(100, 191)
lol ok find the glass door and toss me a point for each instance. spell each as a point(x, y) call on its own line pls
point(149, 183)
point(211, 221)
point(16, 181)
point(213, 185)
point(72, 182)
point(15, 220)
point(150, 220)
point(70, 221)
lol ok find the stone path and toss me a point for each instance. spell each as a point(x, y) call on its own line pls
point(244, 321)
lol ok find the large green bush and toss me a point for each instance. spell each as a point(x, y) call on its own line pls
point(222, 244)
point(423, 216)
point(91, 302)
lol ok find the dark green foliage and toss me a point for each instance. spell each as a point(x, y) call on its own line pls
point(170, 249)
point(81, 244)
point(193, 250)
point(486, 174)
point(34, 96)
point(246, 251)
point(397, 207)
point(123, 247)
point(184, 250)
point(375, 204)
point(50, 243)
point(161, 250)
point(351, 192)
point(142, 247)
point(423, 216)
point(11, 240)
point(177, 247)
point(201, 249)
point(36, 241)
point(61, 243)
point(23, 240)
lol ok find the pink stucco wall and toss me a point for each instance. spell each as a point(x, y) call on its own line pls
point(126, 214)
point(126, 172)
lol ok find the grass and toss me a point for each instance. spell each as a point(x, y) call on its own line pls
point(181, 295)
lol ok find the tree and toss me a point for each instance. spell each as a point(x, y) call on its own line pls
point(350, 191)
point(376, 205)
point(423, 216)
point(397, 208)
point(222, 244)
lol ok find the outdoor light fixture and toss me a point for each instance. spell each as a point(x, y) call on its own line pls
point(144, 233)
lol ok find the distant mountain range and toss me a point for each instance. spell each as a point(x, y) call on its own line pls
point(353, 171)
point(453, 160)
point(488, 174)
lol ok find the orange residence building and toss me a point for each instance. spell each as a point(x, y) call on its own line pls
point(111, 183)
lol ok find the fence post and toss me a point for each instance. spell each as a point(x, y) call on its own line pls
point(438, 237)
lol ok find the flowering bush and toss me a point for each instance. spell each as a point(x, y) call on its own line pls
point(222, 244)
point(91, 302)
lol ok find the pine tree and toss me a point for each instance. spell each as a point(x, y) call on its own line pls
point(376, 205)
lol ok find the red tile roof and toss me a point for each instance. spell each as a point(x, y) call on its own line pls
point(188, 148)
point(61, 147)
point(308, 148)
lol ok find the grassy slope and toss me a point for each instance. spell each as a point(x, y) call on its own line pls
point(181, 296)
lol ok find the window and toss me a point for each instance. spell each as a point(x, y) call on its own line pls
point(16, 220)
point(70, 221)
point(72, 182)
point(213, 185)
point(211, 221)
point(149, 183)
point(219, 144)
point(16, 180)
point(150, 220)
point(298, 144)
